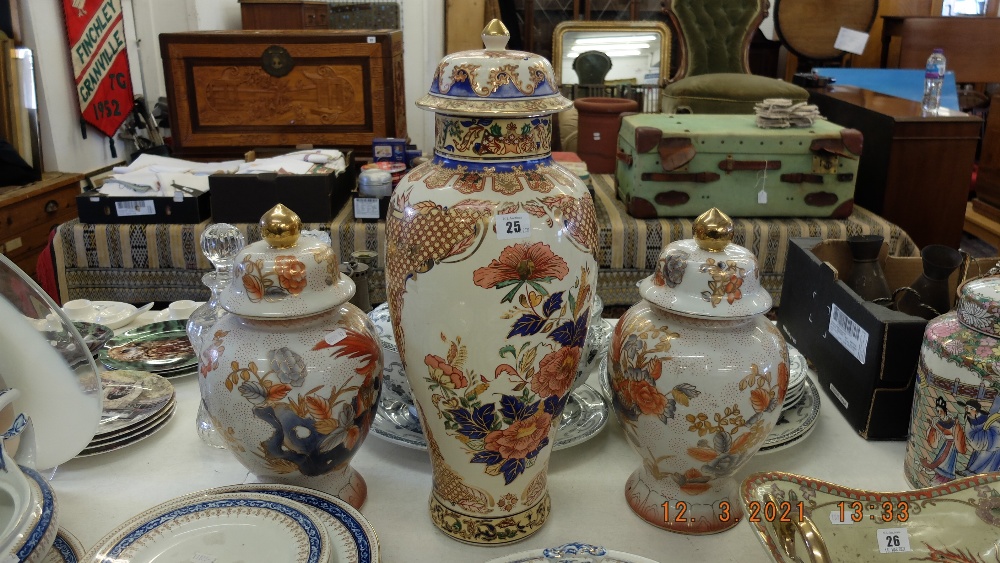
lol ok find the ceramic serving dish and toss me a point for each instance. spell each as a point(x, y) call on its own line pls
point(575, 552)
point(799, 518)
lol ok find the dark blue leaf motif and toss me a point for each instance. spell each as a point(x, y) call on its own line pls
point(489, 457)
point(565, 333)
point(514, 409)
point(475, 425)
point(527, 325)
point(560, 405)
point(552, 304)
point(580, 332)
point(467, 123)
point(534, 453)
point(512, 468)
point(551, 404)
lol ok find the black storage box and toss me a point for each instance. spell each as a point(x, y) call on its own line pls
point(875, 395)
point(95, 208)
point(244, 198)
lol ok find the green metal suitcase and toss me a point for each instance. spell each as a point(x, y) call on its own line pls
point(681, 165)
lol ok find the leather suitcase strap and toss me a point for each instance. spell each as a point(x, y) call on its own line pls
point(625, 157)
point(731, 164)
point(698, 178)
point(800, 178)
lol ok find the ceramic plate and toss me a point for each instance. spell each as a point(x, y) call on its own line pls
point(40, 530)
point(572, 553)
point(112, 314)
point(584, 416)
point(164, 315)
point(955, 522)
point(129, 439)
point(62, 398)
point(131, 433)
point(795, 423)
point(65, 549)
point(131, 397)
point(154, 347)
point(94, 336)
point(230, 527)
point(352, 538)
point(797, 367)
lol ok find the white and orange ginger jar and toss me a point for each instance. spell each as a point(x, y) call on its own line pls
point(490, 273)
point(698, 375)
point(291, 378)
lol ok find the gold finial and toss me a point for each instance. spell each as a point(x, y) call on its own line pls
point(713, 230)
point(280, 227)
point(495, 35)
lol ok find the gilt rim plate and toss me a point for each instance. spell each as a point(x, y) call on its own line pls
point(131, 397)
point(155, 347)
point(65, 549)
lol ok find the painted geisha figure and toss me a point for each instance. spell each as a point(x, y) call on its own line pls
point(983, 436)
point(947, 435)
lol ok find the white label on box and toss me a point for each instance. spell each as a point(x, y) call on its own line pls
point(366, 208)
point(178, 196)
point(839, 397)
point(133, 208)
point(95, 199)
point(371, 39)
point(851, 41)
point(893, 540)
point(513, 225)
point(848, 333)
point(837, 517)
point(335, 336)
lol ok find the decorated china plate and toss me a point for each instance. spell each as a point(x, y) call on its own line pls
point(795, 423)
point(154, 347)
point(572, 553)
point(352, 538)
point(39, 531)
point(224, 527)
point(94, 336)
point(118, 442)
point(65, 549)
point(130, 397)
point(584, 417)
point(953, 522)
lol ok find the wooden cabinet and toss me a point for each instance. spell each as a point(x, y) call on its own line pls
point(233, 91)
point(28, 213)
point(285, 15)
point(915, 170)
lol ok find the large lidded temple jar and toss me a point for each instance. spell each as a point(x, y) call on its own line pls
point(293, 373)
point(698, 376)
point(955, 419)
point(490, 273)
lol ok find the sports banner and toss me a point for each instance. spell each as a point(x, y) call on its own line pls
point(96, 35)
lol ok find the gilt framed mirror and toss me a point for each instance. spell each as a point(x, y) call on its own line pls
point(638, 52)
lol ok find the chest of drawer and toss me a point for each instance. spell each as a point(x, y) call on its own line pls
point(28, 213)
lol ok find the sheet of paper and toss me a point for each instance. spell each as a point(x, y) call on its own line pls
point(851, 41)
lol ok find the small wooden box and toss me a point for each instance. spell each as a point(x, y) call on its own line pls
point(232, 91)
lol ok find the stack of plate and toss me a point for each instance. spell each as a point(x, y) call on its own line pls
point(162, 348)
point(137, 404)
point(32, 526)
point(800, 410)
point(252, 522)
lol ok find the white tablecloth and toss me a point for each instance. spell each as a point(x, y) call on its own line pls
point(586, 483)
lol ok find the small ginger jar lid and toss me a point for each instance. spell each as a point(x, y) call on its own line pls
point(494, 81)
point(979, 305)
point(707, 276)
point(288, 274)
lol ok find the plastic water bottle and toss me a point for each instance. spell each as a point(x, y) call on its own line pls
point(933, 79)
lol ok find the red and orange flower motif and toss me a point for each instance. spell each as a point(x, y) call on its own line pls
point(254, 287)
point(521, 263)
point(291, 273)
point(556, 372)
point(646, 397)
point(520, 438)
point(733, 289)
point(444, 373)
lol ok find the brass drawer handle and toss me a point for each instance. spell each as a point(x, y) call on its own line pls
point(52, 206)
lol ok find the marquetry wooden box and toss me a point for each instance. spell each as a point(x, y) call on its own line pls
point(232, 91)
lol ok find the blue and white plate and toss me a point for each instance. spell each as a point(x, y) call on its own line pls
point(352, 538)
point(38, 533)
point(224, 527)
point(66, 549)
point(575, 552)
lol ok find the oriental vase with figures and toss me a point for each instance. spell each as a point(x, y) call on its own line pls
point(955, 419)
point(698, 376)
point(291, 378)
point(490, 277)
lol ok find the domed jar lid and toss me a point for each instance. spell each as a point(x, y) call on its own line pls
point(708, 276)
point(287, 274)
point(494, 81)
point(979, 305)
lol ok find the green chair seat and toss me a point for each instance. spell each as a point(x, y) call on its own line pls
point(726, 93)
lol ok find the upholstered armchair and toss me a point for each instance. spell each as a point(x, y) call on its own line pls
point(713, 74)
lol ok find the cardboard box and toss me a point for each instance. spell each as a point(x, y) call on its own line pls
point(244, 198)
point(870, 383)
point(96, 208)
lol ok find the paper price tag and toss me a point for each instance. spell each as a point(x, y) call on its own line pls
point(849, 333)
point(836, 515)
point(893, 540)
point(513, 225)
point(335, 336)
point(134, 208)
point(851, 41)
point(366, 208)
point(762, 197)
point(202, 558)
